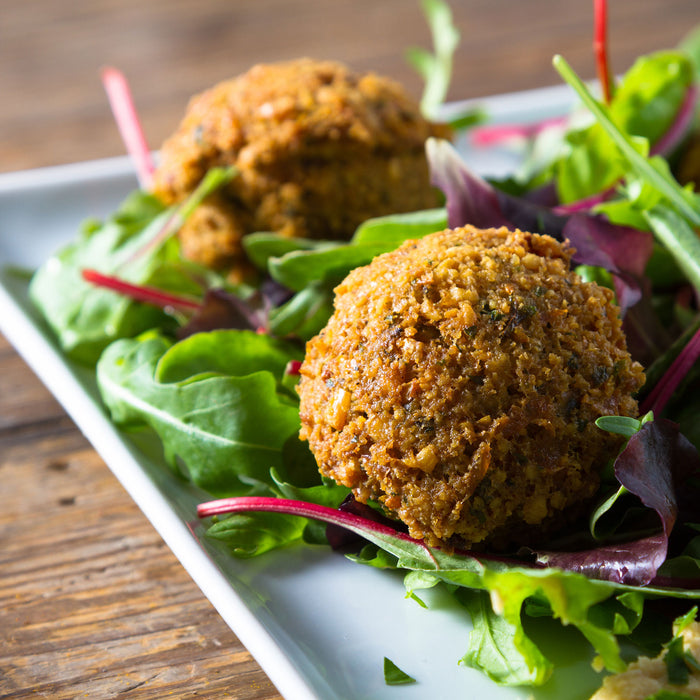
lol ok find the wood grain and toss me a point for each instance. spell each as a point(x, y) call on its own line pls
point(92, 603)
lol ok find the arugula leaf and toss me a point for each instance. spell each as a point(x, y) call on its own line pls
point(305, 314)
point(674, 660)
point(677, 660)
point(85, 319)
point(679, 238)
point(393, 230)
point(137, 242)
point(327, 494)
point(622, 613)
point(654, 173)
point(262, 246)
point(299, 268)
point(252, 534)
point(436, 68)
point(313, 268)
point(623, 425)
point(224, 417)
point(570, 595)
point(684, 621)
point(493, 648)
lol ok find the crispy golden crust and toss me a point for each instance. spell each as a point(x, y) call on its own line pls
point(458, 382)
point(319, 149)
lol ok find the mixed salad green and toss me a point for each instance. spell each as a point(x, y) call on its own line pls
point(212, 368)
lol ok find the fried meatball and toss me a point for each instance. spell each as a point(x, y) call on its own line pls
point(319, 149)
point(458, 382)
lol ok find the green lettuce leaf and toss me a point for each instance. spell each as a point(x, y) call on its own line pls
point(493, 648)
point(222, 415)
point(436, 67)
point(644, 106)
point(331, 262)
point(85, 319)
point(252, 534)
point(130, 244)
point(393, 675)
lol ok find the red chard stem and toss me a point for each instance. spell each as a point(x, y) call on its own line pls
point(293, 367)
point(142, 293)
point(244, 504)
point(394, 541)
point(600, 46)
point(660, 395)
point(122, 104)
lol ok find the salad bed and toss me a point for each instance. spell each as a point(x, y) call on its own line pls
point(211, 369)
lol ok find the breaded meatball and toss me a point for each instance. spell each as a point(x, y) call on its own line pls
point(458, 382)
point(318, 147)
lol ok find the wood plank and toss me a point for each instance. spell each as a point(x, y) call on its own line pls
point(92, 602)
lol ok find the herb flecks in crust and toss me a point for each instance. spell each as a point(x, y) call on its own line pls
point(458, 383)
point(318, 149)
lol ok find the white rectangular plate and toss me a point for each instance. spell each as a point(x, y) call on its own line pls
point(318, 624)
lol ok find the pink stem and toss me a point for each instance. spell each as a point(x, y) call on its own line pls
point(585, 204)
point(293, 367)
point(122, 104)
point(170, 227)
point(489, 135)
point(143, 293)
point(659, 396)
point(354, 523)
point(267, 504)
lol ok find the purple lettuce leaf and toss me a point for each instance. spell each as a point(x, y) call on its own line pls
point(621, 250)
point(656, 466)
point(221, 309)
point(627, 563)
point(647, 337)
point(469, 199)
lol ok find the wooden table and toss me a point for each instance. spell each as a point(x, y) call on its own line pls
point(92, 603)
